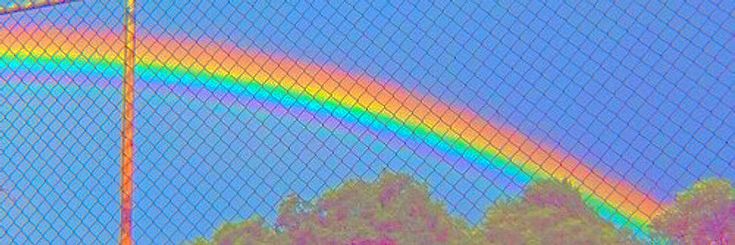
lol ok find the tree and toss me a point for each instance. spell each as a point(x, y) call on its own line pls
point(704, 214)
point(393, 210)
point(550, 212)
point(251, 232)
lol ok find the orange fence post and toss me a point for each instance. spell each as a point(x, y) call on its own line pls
point(128, 113)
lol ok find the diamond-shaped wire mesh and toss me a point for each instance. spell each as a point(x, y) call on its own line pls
point(239, 104)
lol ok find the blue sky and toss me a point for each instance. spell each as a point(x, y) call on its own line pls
point(644, 92)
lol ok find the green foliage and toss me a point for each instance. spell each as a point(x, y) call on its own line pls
point(704, 214)
point(550, 213)
point(394, 209)
point(252, 232)
point(397, 210)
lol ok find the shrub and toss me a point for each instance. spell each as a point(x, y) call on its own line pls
point(704, 214)
point(550, 212)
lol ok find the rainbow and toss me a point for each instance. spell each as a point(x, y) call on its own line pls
point(213, 66)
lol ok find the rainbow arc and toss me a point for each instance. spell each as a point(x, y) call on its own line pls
point(213, 66)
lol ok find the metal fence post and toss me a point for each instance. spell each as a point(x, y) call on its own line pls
point(128, 112)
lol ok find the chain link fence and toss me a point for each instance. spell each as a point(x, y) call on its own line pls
point(240, 104)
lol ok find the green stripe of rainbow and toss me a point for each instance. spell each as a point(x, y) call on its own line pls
point(211, 65)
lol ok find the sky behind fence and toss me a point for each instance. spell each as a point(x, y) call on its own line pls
point(640, 92)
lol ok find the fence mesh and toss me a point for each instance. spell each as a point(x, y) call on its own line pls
point(238, 105)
